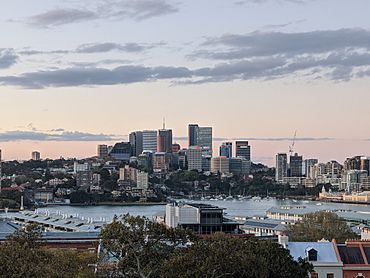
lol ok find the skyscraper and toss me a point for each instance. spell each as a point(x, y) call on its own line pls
point(200, 136)
point(243, 150)
point(164, 142)
point(193, 134)
point(281, 167)
point(226, 149)
point(145, 140)
point(295, 164)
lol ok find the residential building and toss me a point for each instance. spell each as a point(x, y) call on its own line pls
point(36, 156)
point(142, 180)
point(281, 167)
point(355, 256)
point(308, 164)
point(84, 179)
point(264, 227)
point(322, 255)
point(145, 160)
point(226, 149)
point(164, 140)
point(365, 164)
point(220, 165)
point(353, 163)
point(183, 164)
point(161, 162)
point(243, 149)
point(200, 218)
point(176, 148)
point(194, 156)
point(102, 151)
point(295, 165)
point(43, 195)
point(79, 167)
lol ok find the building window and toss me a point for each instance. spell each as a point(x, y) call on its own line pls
point(314, 275)
point(330, 275)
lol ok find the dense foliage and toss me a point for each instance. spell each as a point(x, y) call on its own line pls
point(24, 255)
point(321, 225)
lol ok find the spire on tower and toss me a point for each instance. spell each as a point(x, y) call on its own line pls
point(164, 123)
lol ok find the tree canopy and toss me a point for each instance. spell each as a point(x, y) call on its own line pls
point(321, 225)
point(24, 255)
point(221, 256)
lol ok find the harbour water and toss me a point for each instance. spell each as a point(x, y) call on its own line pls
point(249, 208)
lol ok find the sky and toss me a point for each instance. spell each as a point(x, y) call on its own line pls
point(74, 74)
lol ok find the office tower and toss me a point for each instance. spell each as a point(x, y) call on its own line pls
point(295, 164)
point(333, 169)
point(161, 162)
point(243, 150)
point(102, 151)
point(205, 140)
point(36, 156)
point(308, 164)
point(145, 140)
point(281, 170)
point(136, 141)
point(164, 142)
point(150, 140)
point(193, 134)
point(200, 136)
point(206, 163)
point(176, 148)
point(220, 165)
point(121, 151)
point(226, 149)
point(194, 155)
point(239, 166)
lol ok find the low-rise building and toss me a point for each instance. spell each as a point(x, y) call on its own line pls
point(200, 218)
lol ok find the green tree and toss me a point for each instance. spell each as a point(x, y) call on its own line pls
point(321, 225)
point(24, 255)
point(221, 256)
point(140, 246)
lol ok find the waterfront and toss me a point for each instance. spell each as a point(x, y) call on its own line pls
point(233, 208)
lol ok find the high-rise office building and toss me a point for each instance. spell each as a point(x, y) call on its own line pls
point(200, 136)
point(194, 155)
point(220, 165)
point(102, 151)
point(243, 149)
point(239, 166)
point(164, 142)
point(145, 140)
point(36, 156)
point(353, 163)
point(226, 149)
point(150, 140)
point(281, 170)
point(193, 134)
point(365, 164)
point(295, 164)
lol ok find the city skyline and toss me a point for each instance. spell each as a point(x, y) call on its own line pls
point(80, 73)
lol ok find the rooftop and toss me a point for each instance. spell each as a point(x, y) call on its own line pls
point(325, 251)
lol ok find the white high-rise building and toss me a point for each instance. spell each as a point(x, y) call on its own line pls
point(281, 167)
point(194, 155)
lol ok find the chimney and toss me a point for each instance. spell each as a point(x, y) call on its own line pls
point(283, 240)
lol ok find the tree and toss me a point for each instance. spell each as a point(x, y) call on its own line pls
point(23, 254)
point(221, 256)
point(140, 246)
point(321, 225)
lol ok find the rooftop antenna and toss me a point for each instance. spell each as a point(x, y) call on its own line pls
point(164, 123)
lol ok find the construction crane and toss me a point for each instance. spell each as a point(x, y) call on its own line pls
point(291, 147)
